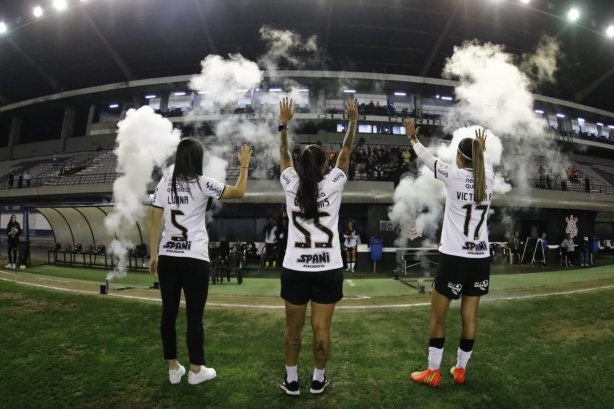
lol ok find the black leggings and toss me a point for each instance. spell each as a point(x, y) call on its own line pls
point(13, 251)
point(191, 275)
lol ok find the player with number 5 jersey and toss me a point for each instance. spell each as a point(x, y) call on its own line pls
point(312, 267)
point(182, 261)
point(464, 260)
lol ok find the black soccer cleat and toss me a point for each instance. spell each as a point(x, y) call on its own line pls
point(291, 388)
point(318, 387)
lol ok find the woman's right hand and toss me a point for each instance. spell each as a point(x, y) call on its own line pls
point(480, 135)
point(153, 267)
point(285, 111)
point(245, 156)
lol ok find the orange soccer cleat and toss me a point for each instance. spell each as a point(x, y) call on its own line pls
point(428, 377)
point(458, 374)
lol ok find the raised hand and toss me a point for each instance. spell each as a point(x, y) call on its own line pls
point(245, 156)
point(285, 111)
point(410, 127)
point(351, 109)
point(480, 135)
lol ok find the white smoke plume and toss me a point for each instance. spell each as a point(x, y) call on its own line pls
point(541, 66)
point(494, 94)
point(219, 81)
point(144, 140)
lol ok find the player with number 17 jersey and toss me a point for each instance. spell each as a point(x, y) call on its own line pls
point(313, 245)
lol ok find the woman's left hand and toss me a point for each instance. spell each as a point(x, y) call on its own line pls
point(153, 267)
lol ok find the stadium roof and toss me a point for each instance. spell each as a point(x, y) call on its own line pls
point(98, 42)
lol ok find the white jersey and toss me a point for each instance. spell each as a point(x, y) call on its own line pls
point(313, 245)
point(465, 231)
point(351, 238)
point(270, 237)
point(185, 234)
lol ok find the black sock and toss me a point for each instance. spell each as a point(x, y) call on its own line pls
point(466, 344)
point(436, 342)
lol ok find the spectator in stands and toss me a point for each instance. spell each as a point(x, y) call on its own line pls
point(270, 240)
point(27, 177)
point(568, 249)
point(569, 174)
point(514, 246)
point(11, 179)
point(13, 230)
point(585, 249)
point(542, 176)
point(55, 159)
point(587, 184)
point(575, 172)
point(20, 181)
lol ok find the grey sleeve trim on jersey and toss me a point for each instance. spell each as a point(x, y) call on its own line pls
point(346, 175)
point(159, 207)
point(223, 190)
point(284, 169)
point(435, 168)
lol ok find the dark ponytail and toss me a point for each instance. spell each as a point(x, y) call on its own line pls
point(188, 164)
point(309, 170)
point(473, 153)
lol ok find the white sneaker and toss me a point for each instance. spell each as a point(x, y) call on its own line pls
point(14, 266)
point(22, 267)
point(8, 265)
point(352, 270)
point(347, 269)
point(205, 374)
point(175, 376)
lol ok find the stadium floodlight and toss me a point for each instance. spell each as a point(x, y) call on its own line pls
point(611, 126)
point(349, 91)
point(437, 96)
point(114, 106)
point(581, 120)
point(560, 115)
point(525, 1)
point(539, 111)
point(149, 96)
point(599, 123)
point(60, 5)
point(38, 11)
point(203, 92)
point(400, 94)
point(574, 14)
point(610, 32)
point(3, 28)
point(274, 89)
point(303, 90)
point(179, 93)
point(447, 98)
point(242, 90)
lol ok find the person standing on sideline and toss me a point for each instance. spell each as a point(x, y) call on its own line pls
point(13, 230)
point(270, 238)
point(312, 267)
point(350, 243)
point(182, 260)
point(464, 256)
point(20, 181)
point(11, 179)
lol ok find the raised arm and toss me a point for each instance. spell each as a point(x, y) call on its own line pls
point(238, 190)
point(351, 111)
point(285, 115)
point(423, 154)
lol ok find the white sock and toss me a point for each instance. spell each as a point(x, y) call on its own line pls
point(292, 373)
point(435, 355)
point(318, 374)
point(463, 358)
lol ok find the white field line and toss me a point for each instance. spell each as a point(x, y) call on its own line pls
point(345, 307)
point(351, 283)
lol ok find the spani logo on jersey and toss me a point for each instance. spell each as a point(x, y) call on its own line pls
point(475, 247)
point(314, 260)
point(482, 285)
point(456, 288)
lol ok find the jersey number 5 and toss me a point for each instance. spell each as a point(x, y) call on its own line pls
point(184, 231)
point(469, 208)
point(316, 222)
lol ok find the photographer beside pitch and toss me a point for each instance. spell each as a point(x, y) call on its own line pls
point(464, 260)
point(13, 230)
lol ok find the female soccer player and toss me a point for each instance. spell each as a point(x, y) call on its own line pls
point(183, 261)
point(270, 240)
point(464, 260)
point(350, 243)
point(312, 267)
point(13, 230)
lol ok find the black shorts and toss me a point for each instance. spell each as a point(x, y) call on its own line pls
point(322, 287)
point(350, 248)
point(460, 275)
